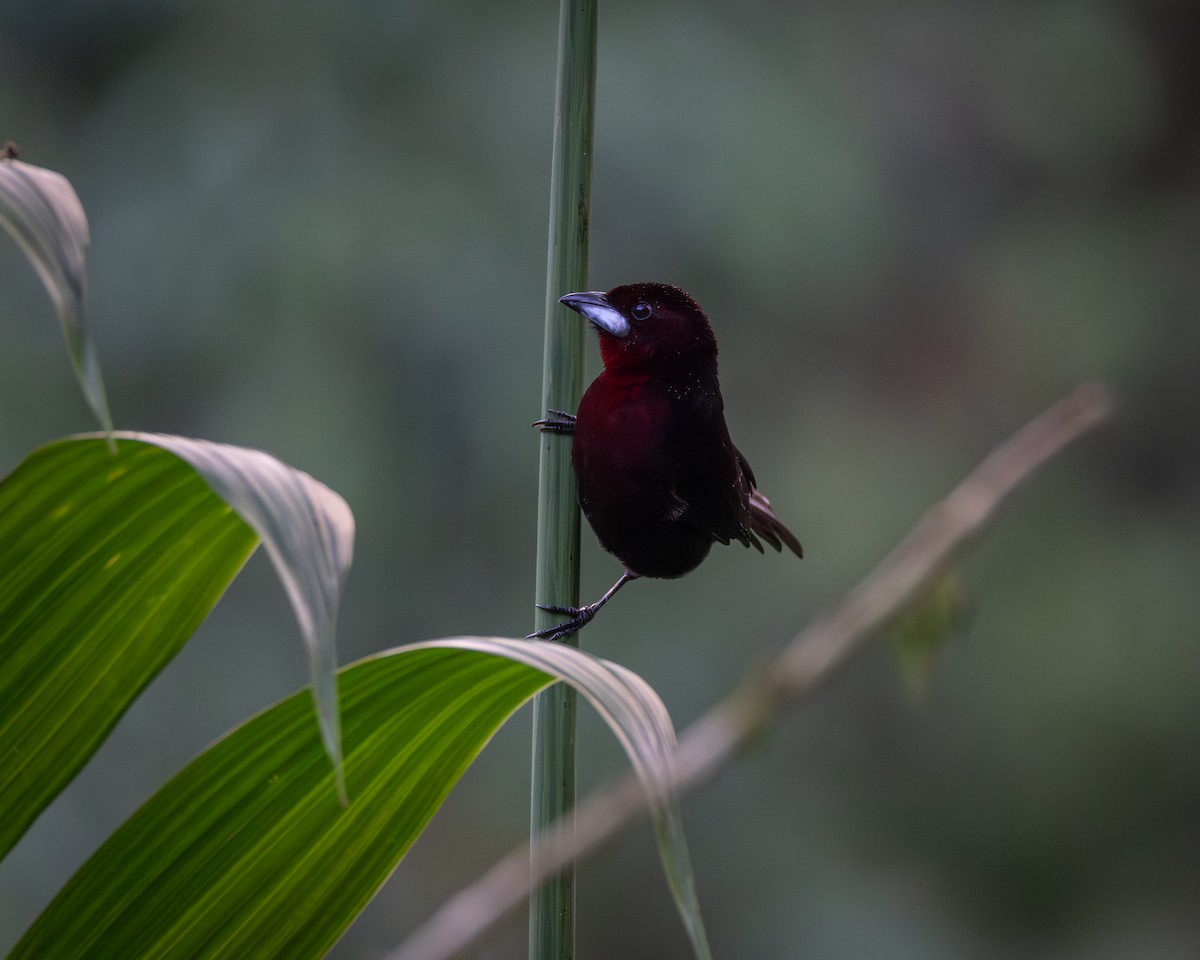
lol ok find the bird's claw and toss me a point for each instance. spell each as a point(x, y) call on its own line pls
point(559, 421)
point(554, 608)
point(580, 617)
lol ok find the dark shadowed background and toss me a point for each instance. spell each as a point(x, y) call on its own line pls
point(319, 229)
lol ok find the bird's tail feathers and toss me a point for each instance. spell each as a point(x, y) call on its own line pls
point(768, 526)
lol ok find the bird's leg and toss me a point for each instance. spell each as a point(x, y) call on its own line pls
point(579, 617)
point(559, 421)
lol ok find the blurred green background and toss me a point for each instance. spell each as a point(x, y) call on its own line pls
point(319, 229)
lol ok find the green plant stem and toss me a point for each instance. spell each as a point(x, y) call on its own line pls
point(552, 906)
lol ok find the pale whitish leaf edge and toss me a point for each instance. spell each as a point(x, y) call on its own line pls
point(308, 532)
point(639, 720)
point(42, 212)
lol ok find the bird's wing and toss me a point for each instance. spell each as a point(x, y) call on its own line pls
point(712, 483)
point(714, 488)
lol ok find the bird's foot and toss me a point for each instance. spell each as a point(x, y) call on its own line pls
point(579, 617)
point(558, 421)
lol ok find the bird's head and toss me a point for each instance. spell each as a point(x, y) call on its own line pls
point(641, 323)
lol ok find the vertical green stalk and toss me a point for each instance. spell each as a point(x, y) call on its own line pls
point(552, 905)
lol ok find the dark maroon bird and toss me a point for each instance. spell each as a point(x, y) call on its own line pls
point(659, 479)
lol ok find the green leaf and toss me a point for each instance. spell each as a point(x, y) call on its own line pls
point(107, 565)
point(246, 853)
point(308, 531)
point(42, 212)
point(109, 562)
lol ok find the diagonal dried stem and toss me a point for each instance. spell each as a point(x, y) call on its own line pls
point(809, 660)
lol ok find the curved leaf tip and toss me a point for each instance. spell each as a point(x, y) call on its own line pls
point(308, 531)
point(42, 212)
point(639, 720)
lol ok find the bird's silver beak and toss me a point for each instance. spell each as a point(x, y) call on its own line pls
point(594, 305)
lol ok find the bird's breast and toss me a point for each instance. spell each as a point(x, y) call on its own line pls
point(627, 458)
point(622, 424)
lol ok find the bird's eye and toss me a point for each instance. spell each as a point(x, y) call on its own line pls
point(641, 310)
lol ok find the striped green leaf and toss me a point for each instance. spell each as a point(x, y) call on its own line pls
point(109, 561)
point(246, 852)
point(308, 532)
point(42, 212)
